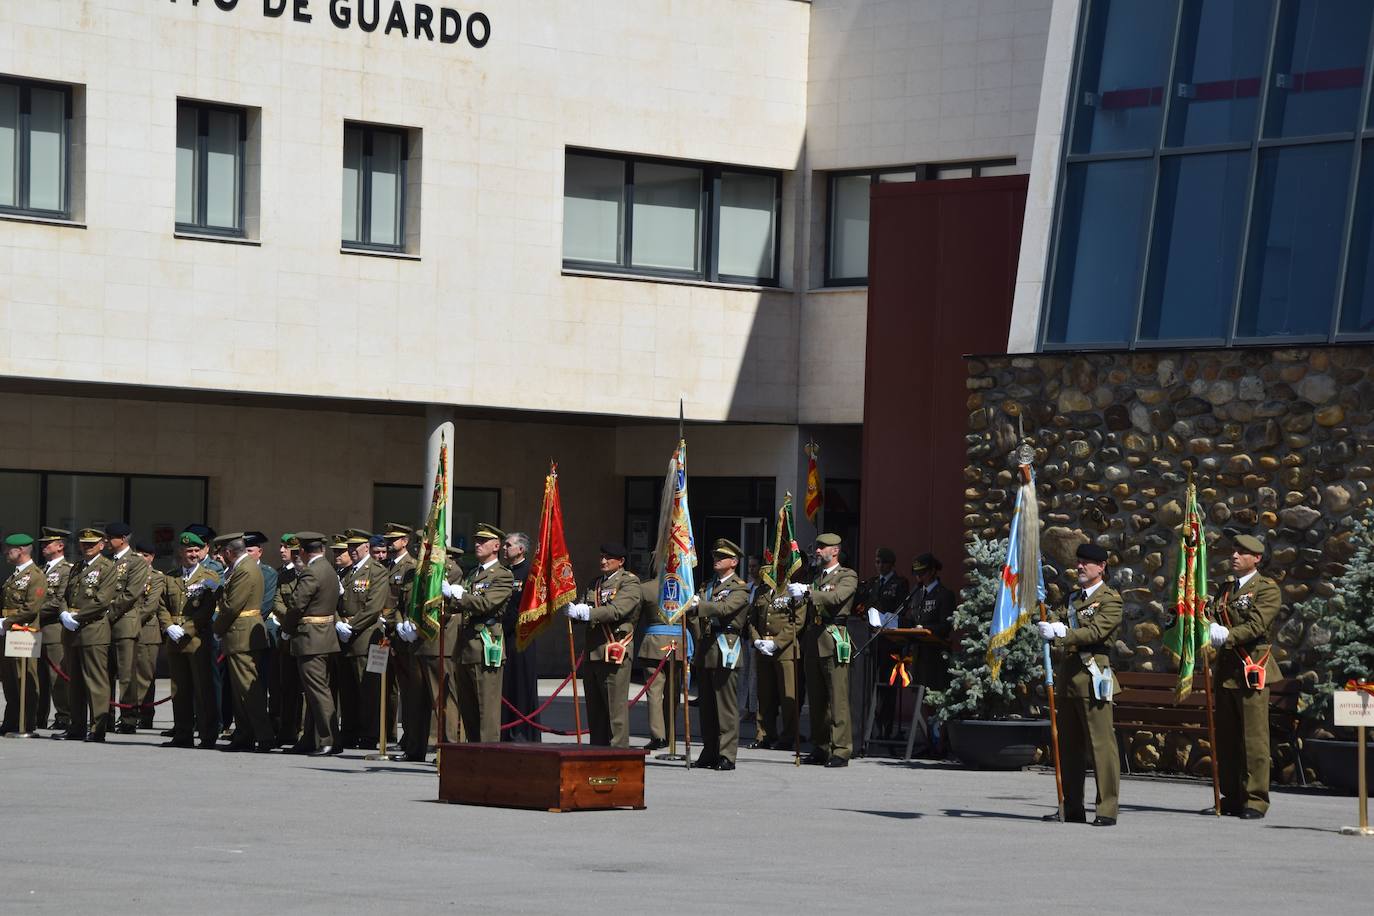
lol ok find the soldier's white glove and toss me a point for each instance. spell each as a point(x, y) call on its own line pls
point(406, 630)
point(797, 589)
point(454, 591)
point(5, 623)
point(344, 630)
point(1048, 631)
point(446, 588)
point(875, 618)
point(175, 633)
point(284, 635)
point(766, 646)
point(1219, 634)
point(578, 611)
point(781, 602)
point(68, 620)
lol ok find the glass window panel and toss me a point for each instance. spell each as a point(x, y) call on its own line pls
point(160, 507)
point(47, 148)
point(399, 502)
point(593, 195)
point(1357, 314)
point(992, 171)
point(19, 494)
point(1295, 240)
point(1319, 60)
point(386, 167)
point(1220, 68)
point(667, 216)
point(469, 507)
point(1100, 250)
point(849, 226)
point(896, 177)
point(955, 172)
point(1194, 258)
point(747, 225)
point(352, 184)
point(78, 501)
point(9, 145)
point(188, 119)
point(222, 152)
point(1125, 65)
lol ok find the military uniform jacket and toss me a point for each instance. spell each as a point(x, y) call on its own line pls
point(1098, 616)
point(1251, 611)
point(238, 623)
point(316, 595)
point(366, 591)
point(23, 594)
point(933, 610)
point(91, 590)
point(400, 583)
point(149, 632)
point(284, 599)
point(782, 624)
point(724, 609)
point(56, 601)
point(485, 593)
point(887, 596)
point(189, 602)
point(131, 575)
point(653, 646)
point(829, 602)
point(614, 601)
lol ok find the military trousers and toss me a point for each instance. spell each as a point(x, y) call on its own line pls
point(193, 695)
point(664, 698)
point(250, 699)
point(358, 711)
point(90, 690)
point(827, 685)
point(419, 708)
point(778, 719)
point(125, 661)
point(284, 705)
point(52, 687)
point(145, 673)
point(319, 729)
point(1242, 752)
point(17, 674)
point(719, 692)
point(1086, 734)
point(607, 687)
point(479, 701)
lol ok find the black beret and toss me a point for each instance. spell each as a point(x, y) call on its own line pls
point(254, 538)
point(1092, 553)
point(925, 562)
point(204, 532)
point(118, 530)
point(144, 547)
point(614, 549)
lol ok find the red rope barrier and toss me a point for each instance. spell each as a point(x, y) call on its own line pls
point(68, 678)
point(529, 720)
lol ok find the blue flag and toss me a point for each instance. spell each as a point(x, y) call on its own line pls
point(677, 552)
point(1018, 594)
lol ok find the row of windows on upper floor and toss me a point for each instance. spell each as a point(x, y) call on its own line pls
point(622, 214)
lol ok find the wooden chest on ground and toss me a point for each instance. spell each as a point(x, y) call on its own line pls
point(556, 777)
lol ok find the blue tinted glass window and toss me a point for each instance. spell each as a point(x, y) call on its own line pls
point(1216, 87)
point(1319, 60)
point(1196, 249)
point(1295, 240)
point(1100, 251)
point(1121, 79)
point(1357, 314)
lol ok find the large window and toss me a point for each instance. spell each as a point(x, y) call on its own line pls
point(846, 236)
point(1217, 187)
point(374, 187)
point(672, 219)
point(35, 148)
point(406, 503)
point(211, 140)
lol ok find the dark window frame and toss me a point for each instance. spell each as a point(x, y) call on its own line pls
point(708, 223)
point(202, 153)
point(365, 191)
point(24, 151)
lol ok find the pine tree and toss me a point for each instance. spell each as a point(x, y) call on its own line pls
point(1341, 629)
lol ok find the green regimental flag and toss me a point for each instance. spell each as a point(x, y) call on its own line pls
point(1188, 639)
point(427, 598)
point(780, 563)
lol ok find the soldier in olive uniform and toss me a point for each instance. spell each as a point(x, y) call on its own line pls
point(186, 615)
point(91, 592)
point(366, 591)
point(610, 608)
point(719, 614)
point(1080, 634)
point(20, 602)
point(775, 625)
point(286, 706)
point(827, 651)
point(882, 597)
point(1246, 610)
point(239, 626)
point(131, 578)
point(52, 686)
point(400, 582)
point(309, 623)
point(149, 640)
point(422, 710)
point(654, 646)
point(479, 602)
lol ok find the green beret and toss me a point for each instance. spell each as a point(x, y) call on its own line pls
point(190, 539)
point(828, 540)
point(19, 540)
point(290, 540)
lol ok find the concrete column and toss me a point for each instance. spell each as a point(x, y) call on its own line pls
point(439, 422)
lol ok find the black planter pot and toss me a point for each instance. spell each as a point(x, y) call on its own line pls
point(1001, 744)
point(1335, 763)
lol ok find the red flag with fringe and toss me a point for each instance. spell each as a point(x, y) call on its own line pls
point(550, 586)
point(815, 494)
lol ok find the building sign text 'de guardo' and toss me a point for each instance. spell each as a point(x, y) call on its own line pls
point(424, 21)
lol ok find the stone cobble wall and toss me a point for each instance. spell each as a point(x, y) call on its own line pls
point(1280, 443)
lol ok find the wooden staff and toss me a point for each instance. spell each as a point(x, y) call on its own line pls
point(796, 713)
point(1211, 703)
point(572, 666)
point(442, 699)
point(1054, 724)
point(686, 698)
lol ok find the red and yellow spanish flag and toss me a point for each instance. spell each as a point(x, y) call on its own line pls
point(815, 492)
point(550, 586)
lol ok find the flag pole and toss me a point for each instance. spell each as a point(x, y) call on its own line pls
point(1049, 674)
point(572, 646)
point(1211, 729)
point(686, 656)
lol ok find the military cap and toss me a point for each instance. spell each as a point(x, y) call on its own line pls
point(290, 541)
point(726, 548)
point(356, 536)
point(118, 530)
point(1092, 553)
point(144, 547)
point(885, 555)
point(828, 540)
point(487, 531)
point(53, 534)
point(614, 549)
point(925, 562)
point(204, 532)
point(254, 538)
point(226, 538)
point(307, 538)
point(189, 538)
point(19, 540)
point(1248, 543)
point(394, 530)
point(455, 551)
point(90, 535)
point(338, 541)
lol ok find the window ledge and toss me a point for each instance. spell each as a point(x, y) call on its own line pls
point(42, 220)
point(211, 237)
point(372, 253)
point(821, 290)
point(673, 281)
